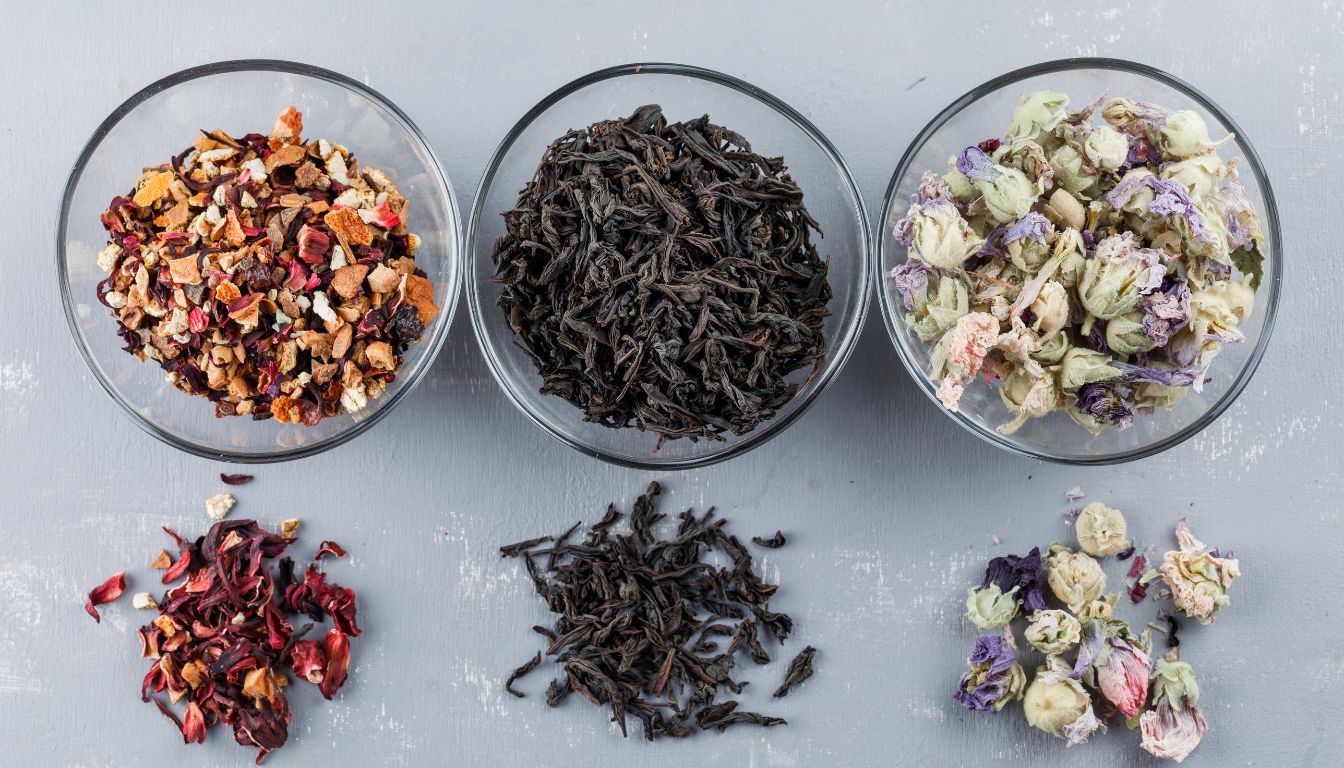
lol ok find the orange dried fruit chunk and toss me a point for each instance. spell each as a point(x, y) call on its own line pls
point(420, 293)
point(348, 226)
point(347, 280)
point(155, 187)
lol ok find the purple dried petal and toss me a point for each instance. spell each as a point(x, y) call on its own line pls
point(974, 164)
point(1167, 378)
point(1105, 404)
point(991, 661)
point(1089, 648)
point(1238, 235)
point(1173, 202)
point(1166, 311)
point(911, 281)
point(1026, 574)
point(1033, 225)
point(994, 242)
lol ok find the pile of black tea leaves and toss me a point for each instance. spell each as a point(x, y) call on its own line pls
point(653, 628)
point(662, 276)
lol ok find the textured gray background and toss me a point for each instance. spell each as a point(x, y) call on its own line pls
point(890, 507)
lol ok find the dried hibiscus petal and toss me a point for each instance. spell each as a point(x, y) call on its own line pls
point(235, 479)
point(329, 548)
point(105, 593)
point(224, 635)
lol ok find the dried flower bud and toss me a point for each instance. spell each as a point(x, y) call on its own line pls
point(1074, 577)
point(1055, 702)
point(1053, 632)
point(995, 678)
point(1199, 577)
point(1185, 134)
point(938, 235)
point(1065, 211)
point(1050, 308)
point(1118, 276)
point(990, 608)
point(1122, 673)
point(1081, 366)
point(1101, 530)
point(940, 311)
point(1037, 114)
point(1106, 148)
point(1072, 170)
point(1174, 726)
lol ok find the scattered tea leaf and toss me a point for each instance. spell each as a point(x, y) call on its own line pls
point(800, 669)
point(640, 619)
point(774, 542)
point(519, 672)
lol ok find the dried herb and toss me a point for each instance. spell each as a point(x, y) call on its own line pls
point(663, 276)
point(651, 627)
point(774, 542)
point(105, 593)
point(274, 277)
point(530, 665)
point(800, 669)
point(235, 479)
point(224, 642)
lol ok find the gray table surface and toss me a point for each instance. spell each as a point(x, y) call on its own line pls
point(872, 484)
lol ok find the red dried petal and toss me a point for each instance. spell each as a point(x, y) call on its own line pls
point(384, 217)
point(313, 244)
point(336, 646)
point(1136, 568)
point(235, 479)
point(194, 725)
point(197, 320)
point(329, 548)
point(105, 593)
point(308, 660)
point(297, 278)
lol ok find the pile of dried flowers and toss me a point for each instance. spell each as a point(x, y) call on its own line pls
point(1087, 267)
point(1113, 669)
point(223, 640)
point(273, 277)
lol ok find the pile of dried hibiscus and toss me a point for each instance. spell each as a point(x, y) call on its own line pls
point(274, 277)
point(224, 641)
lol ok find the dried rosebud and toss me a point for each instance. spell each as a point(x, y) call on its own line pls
point(1037, 114)
point(938, 235)
point(1184, 134)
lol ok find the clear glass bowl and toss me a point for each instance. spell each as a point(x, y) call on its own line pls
point(774, 129)
point(983, 113)
point(241, 97)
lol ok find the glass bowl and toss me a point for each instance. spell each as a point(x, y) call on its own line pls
point(774, 129)
point(985, 112)
point(240, 97)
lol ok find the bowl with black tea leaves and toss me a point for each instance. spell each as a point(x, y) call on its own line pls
point(668, 265)
point(1080, 261)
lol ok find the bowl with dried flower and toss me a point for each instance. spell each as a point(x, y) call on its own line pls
point(258, 259)
point(1080, 261)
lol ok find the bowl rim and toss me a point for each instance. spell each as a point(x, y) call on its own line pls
point(837, 356)
point(1272, 229)
point(450, 291)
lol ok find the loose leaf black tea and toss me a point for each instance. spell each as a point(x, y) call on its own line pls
point(649, 627)
point(663, 276)
point(799, 670)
